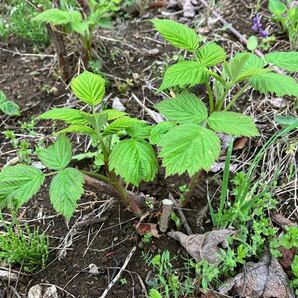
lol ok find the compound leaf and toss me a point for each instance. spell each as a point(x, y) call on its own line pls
point(233, 123)
point(285, 60)
point(159, 130)
point(18, 184)
point(89, 87)
point(275, 83)
point(211, 54)
point(179, 35)
point(65, 190)
point(69, 116)
point(134, 160)
point(185, 108)
point(58, 155)
point(184, 73)
point(189, 148)
point(54, 16)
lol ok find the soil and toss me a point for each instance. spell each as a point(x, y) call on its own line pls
point(33, 82)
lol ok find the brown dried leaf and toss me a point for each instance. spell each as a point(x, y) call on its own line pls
point(240, 143)
point(287, 258)
point(203, 246)
point(264, 279)
point(143, 228)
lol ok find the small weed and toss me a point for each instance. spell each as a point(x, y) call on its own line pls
point(19, 246)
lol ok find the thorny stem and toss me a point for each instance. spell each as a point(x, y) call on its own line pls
point(236, 96)
point(211, 98)
point(194, 181)
point(221, 101)
point(123, 195)
point(98, 176)
point(112, 177)
point(217, 77)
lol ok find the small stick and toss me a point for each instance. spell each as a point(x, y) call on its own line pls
point(111, 284)
point(167, 208)
point(282, 221)
point(181, 214)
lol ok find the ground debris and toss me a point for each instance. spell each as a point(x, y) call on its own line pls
point(188, 6)
point(263, 279)
point(203, 246)
point(42, 291)
point(144, 228)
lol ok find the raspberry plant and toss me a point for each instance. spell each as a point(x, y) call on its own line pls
point(120, 143)
point(188, 140)
point(96, 15)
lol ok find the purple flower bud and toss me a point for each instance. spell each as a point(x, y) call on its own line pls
point(264, 33)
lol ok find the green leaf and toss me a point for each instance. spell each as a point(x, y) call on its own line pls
point(97, 121)
point(243, 66)
point(253, 61)
point(275, 83)
point(80, 28)
point(211, 54)
point(80, 129)
point(10, 108)
point(120, 124)
point(53, 16)
point(139, 131)
point(233, 123)
point(89, 87)
point(185, 108)
point(18, 184)
point(153, 293)
point(252, 43)
point(69, 116)
point(183, 74)
point(134, 160)
point(65, 190)
point(277, 7)
point(75, 17)
point(2, 97)
point(189, 148)
point(177, 34)
point(58, 155)
point(285, 60)
point(113, 114)
point(159, 130)
point(286, 120)
point(105, 23)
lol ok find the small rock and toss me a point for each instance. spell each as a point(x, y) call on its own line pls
point(93, 269)
point(39, 291)
point(154, 52)
point(278, 102)
point(117, 105)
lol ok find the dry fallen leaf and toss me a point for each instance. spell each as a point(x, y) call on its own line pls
point(278, 102)
point(264, 279)
point(240, 143)
point(287, 258)
point(143, 228)
point(203, 246)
